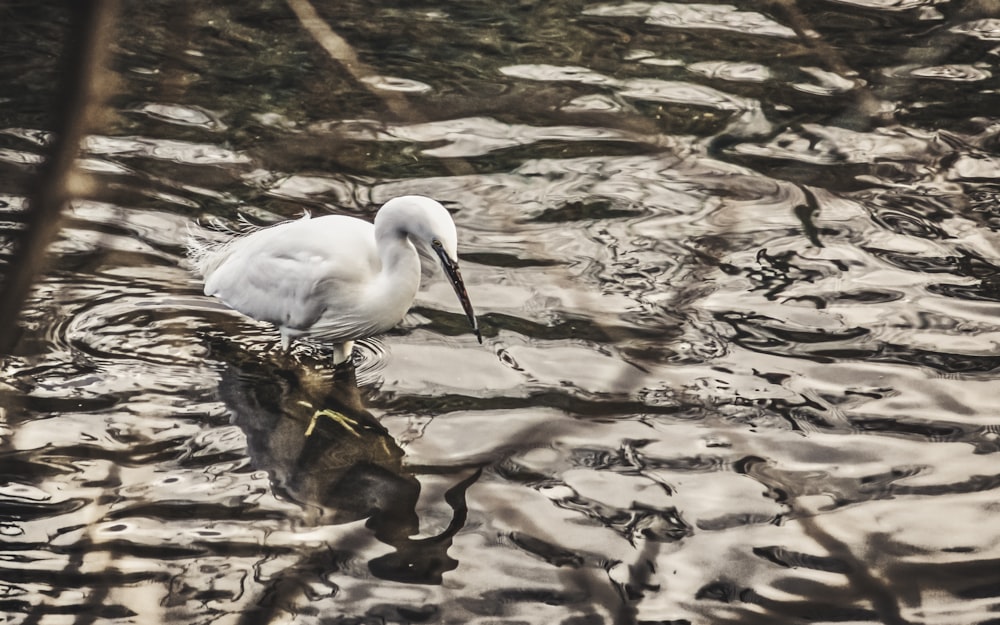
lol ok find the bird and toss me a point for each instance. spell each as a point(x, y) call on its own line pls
point(334, 277)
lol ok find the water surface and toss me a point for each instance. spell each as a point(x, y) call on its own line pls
point(735, 266)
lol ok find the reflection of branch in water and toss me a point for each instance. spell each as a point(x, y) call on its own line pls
point(341, 51)
point(347, 468)
point(877, 86)
point(869, 107)
point(818, 601)
point(858, 574)
point(807, 213)
point(82, 92)
point(639, 580)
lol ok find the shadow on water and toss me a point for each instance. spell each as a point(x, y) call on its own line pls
point(324, 451)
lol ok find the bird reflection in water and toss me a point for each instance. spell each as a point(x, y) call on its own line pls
point(324, 451)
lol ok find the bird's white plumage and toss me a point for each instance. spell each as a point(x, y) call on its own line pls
point(333, 277)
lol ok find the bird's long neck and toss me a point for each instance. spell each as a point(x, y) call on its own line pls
point(400, 261)
point(397, 282)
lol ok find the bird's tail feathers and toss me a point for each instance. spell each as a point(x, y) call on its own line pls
point(207, 241)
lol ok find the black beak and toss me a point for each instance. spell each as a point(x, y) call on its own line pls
point(455, 277)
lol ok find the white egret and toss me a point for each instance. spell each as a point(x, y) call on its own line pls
point(335, 277)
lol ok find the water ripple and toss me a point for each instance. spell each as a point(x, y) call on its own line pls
point(182, 115)
point(821, 346)
point(888, 5)
point(652, 89)
point(987, 29)
point(20, 157)
point(469, 137)
point(393, 83)
point(710, 16)
point(827, 83)
point(729, 70)
point(954, 73)
point(164, 149)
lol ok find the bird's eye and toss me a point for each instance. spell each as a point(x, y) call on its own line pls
point(436, 242)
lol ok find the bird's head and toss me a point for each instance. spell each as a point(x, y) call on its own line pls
point(429, 225)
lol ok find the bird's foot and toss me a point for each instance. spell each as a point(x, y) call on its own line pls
point(341, 419)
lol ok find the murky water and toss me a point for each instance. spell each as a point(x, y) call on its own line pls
point(736, 266)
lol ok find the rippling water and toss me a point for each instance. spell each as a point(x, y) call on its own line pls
point(736, 265)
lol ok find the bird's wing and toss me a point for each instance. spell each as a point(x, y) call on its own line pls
point(290, 274)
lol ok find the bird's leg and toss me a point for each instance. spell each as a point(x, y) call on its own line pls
point(343, 420)
point(342, 352)
point(286, 340)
